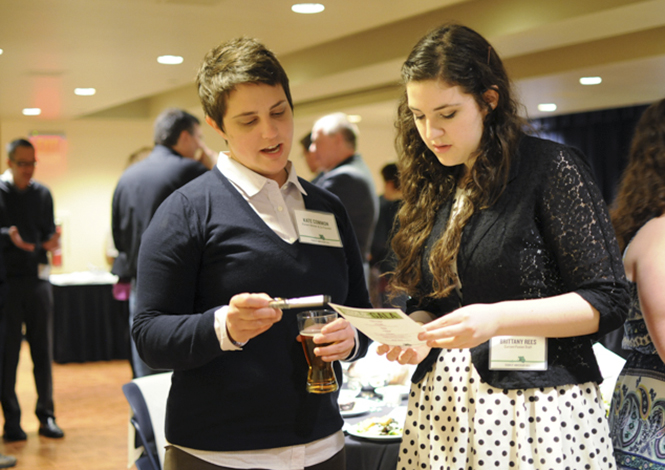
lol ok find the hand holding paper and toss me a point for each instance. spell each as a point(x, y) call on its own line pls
point(386, 326)
point(404, 356)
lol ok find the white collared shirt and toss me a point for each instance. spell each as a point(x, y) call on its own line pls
point(276, 206)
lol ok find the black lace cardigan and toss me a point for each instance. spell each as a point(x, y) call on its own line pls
point(548, 234)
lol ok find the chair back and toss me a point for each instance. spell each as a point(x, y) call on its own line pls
point(147, 399)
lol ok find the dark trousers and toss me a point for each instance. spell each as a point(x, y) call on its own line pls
point(176, 459)
point(29, 301)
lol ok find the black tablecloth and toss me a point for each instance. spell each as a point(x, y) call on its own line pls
point(363, 454)
point(368, 455)
point(89, 324)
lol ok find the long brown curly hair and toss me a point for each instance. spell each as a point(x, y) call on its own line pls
point(641, 194)
point(457, 56)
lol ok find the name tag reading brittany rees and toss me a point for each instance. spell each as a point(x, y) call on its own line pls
point(388, 326)
point(518, 353)
point(317, 228)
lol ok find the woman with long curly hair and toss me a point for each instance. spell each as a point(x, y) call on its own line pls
point(638, 402)
point(507, 253)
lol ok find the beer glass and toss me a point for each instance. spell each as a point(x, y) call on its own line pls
point(321, 376)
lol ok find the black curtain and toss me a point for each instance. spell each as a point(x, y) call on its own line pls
point(603, 136)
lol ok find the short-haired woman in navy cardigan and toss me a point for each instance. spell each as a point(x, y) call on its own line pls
point(215, 254)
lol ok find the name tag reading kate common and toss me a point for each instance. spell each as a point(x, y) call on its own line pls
point(317, 228)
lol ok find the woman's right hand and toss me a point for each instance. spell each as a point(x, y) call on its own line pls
point(404, 355)
point(249, 315)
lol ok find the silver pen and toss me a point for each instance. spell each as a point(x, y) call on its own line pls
point(300, 302)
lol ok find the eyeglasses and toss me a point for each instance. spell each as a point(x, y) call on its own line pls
point(25, 164)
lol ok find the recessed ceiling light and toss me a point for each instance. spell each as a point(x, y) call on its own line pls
point(590, 80)
point(32, 111)
point(84, 91)
point(1, 51)
point(170, 59)
point(547, 107)
point(355, 118)
point(307, 8)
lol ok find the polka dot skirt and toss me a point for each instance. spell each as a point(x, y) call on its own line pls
point(455, 421)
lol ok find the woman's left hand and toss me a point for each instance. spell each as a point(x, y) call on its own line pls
point(342, 336)
point(465, 327)
point(404, 356)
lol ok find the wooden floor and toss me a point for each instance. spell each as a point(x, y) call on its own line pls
point(89, 407)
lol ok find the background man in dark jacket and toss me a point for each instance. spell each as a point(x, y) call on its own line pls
point(346, 175)
point(28, 232)
point(145, 185)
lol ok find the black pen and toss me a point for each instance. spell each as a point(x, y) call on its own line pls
point(300, 302)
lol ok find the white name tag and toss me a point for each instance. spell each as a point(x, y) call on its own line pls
point(518, 353)
point(317, 228)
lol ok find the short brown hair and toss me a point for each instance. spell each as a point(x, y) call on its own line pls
point(16, 143)
point(169, 125)
point(232, 63)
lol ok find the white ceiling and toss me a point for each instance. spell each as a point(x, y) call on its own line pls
point(347, 57)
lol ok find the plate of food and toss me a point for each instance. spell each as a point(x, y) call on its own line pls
point(380, 428)
point(354, 407)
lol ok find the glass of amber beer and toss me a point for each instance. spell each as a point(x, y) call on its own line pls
point(321, 376)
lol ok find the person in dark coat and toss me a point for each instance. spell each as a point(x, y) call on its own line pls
point(144, 186)
point(216, 252)
point(28, 230)
point(6, 461)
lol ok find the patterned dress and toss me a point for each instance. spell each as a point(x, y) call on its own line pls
point(455, 421)
point(637, 413)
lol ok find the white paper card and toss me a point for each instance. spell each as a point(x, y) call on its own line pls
point(317, 228)
point(388, 326)
point(518, 353)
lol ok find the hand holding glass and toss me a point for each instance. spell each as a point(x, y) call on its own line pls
point(321, 376)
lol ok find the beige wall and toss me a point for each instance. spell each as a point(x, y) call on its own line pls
point(96, 155)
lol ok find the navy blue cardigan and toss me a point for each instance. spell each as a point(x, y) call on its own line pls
point(204, 245)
